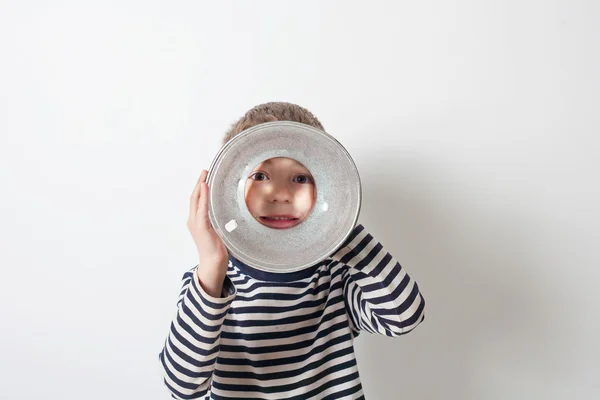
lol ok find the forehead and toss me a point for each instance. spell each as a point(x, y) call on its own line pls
point(281, 163)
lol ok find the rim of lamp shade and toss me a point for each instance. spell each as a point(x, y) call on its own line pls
point(333, 216)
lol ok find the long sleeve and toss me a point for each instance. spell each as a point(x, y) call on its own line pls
point(188, 357)
point(379, 295)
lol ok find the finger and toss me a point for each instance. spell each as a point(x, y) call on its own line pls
point(203, 206)
point(194, 198)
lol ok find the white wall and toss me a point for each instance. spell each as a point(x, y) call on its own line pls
point(473, 124)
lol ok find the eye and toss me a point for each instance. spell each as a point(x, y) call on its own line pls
point(257, 175)
point(305, 180)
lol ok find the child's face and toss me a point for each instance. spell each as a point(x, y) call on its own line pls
point(280, 187)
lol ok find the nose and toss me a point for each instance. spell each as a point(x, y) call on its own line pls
point(280, 193)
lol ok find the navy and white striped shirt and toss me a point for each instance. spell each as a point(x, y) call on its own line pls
point(288, 335)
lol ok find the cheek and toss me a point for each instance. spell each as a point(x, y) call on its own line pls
point(306, 196)
point(250, 196)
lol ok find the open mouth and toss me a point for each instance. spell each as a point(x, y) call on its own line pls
point(279, 221)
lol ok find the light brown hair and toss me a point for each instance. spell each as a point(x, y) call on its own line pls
point(273, 111)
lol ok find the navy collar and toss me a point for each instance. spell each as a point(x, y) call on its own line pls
point(275, 276)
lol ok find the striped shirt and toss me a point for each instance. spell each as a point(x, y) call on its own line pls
point(288, 335)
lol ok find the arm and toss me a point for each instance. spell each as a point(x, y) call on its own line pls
point(191, 348)
point(379, 295)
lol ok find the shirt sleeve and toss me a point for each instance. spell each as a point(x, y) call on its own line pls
point(188, 357)
point(379, 295)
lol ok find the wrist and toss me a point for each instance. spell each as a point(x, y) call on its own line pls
point(211, 281)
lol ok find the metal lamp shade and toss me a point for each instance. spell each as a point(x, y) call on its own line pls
point(333, 217)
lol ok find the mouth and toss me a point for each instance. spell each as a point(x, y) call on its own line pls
point(279, 221)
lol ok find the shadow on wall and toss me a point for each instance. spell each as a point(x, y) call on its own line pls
point(488, 320)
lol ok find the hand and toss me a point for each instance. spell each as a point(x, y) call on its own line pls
point(211, 249)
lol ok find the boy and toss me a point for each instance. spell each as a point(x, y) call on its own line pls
point(244, 333)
